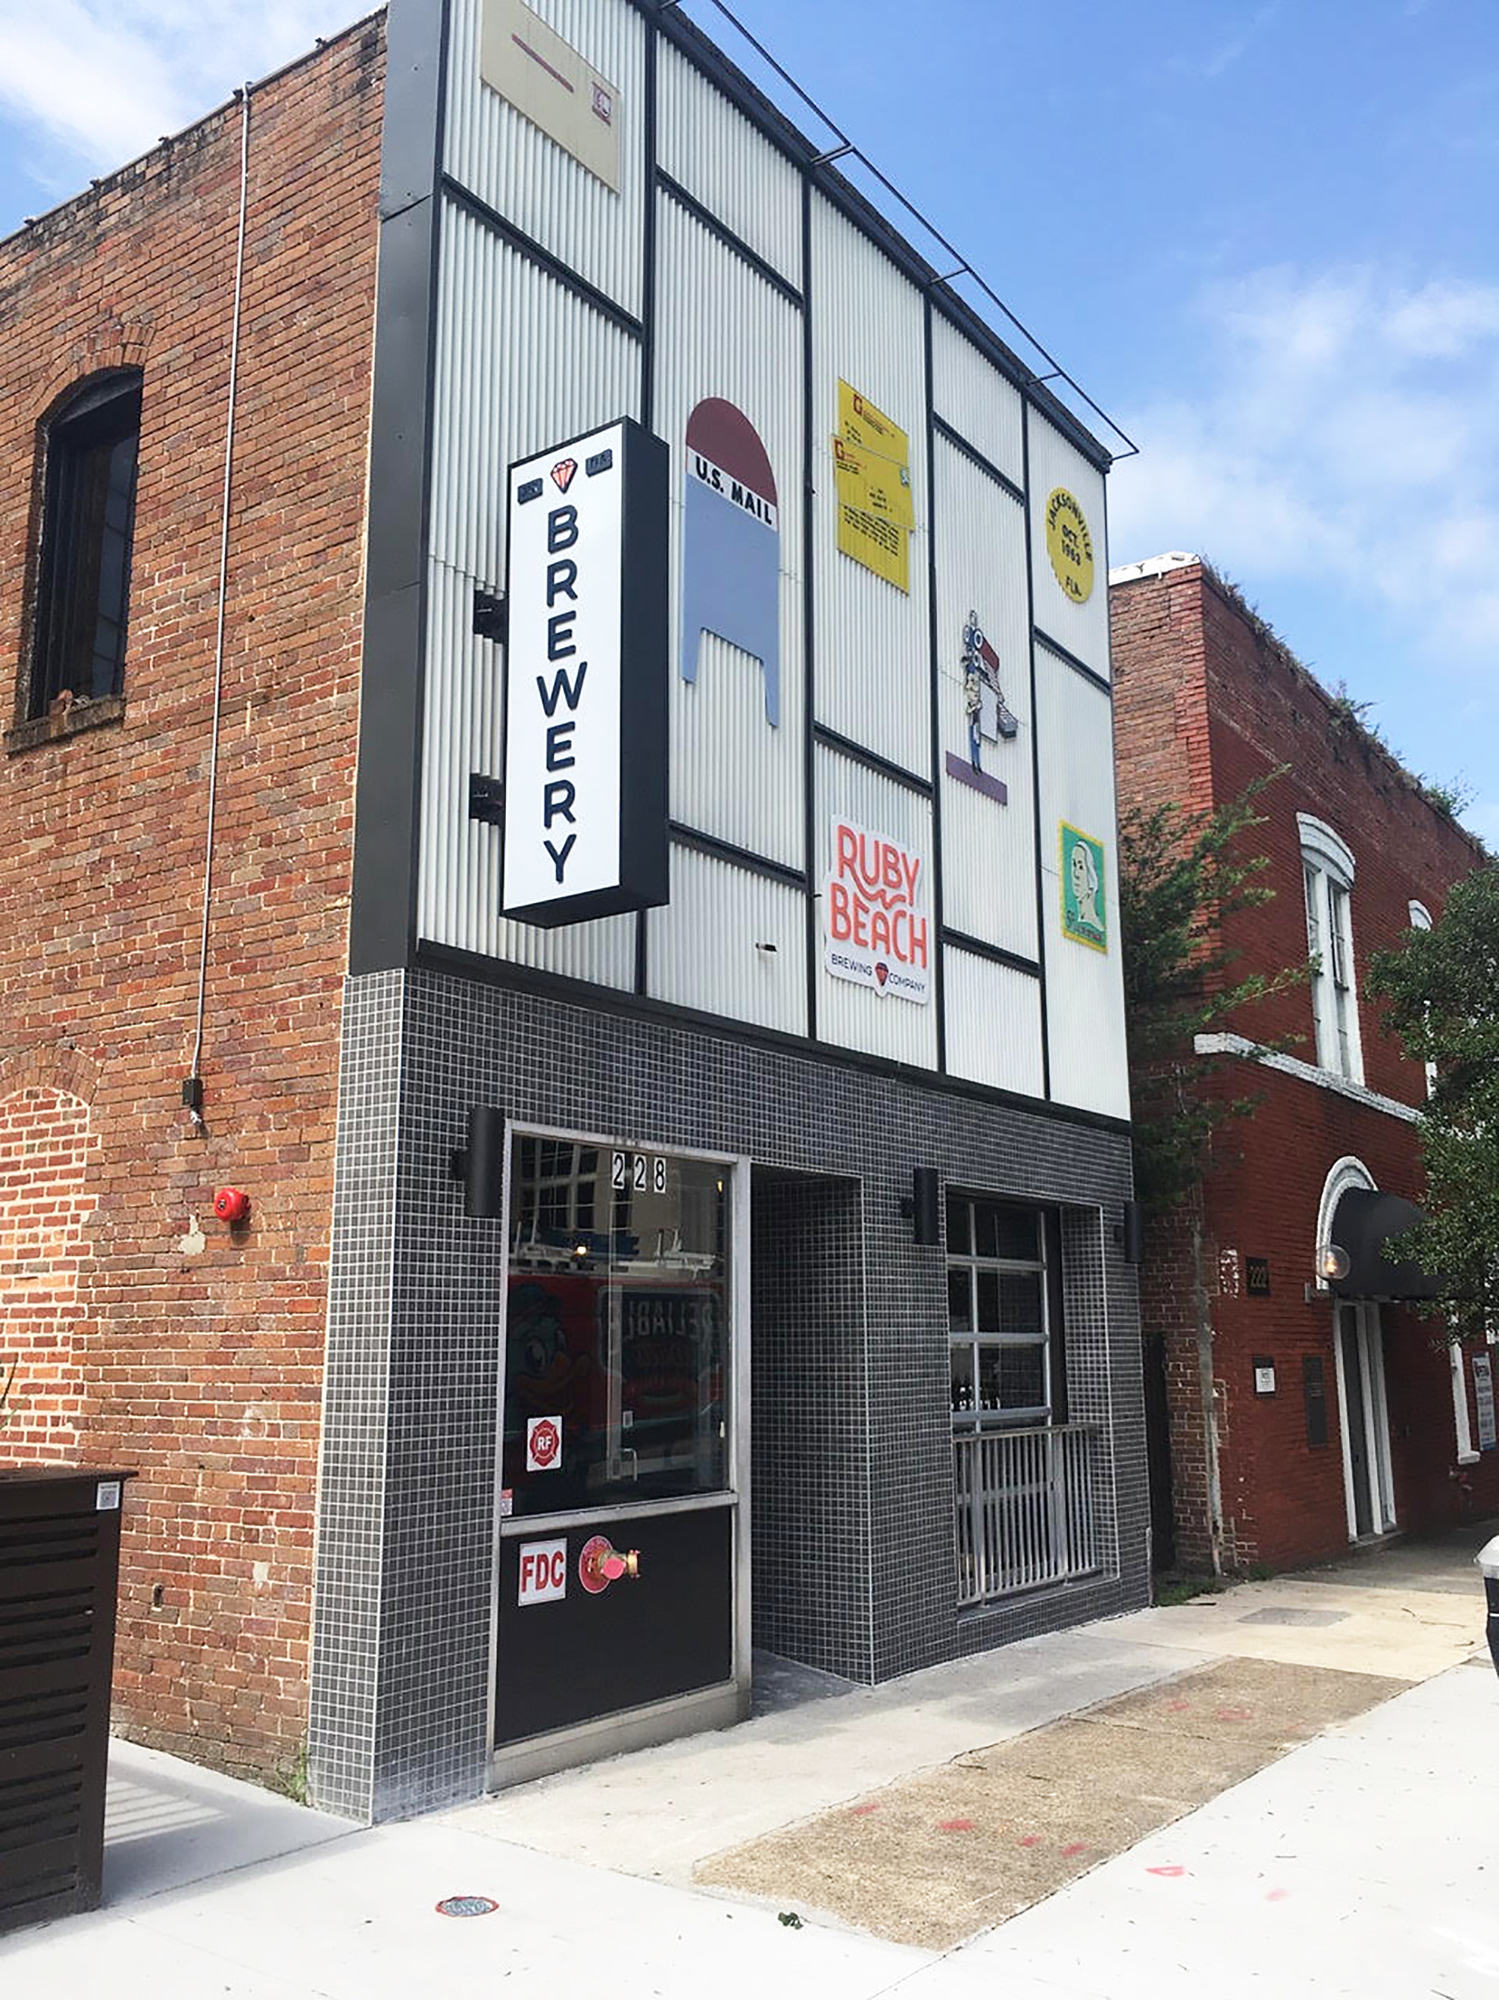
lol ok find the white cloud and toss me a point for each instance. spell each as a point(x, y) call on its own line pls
point(96, 82)
point(1339, 431)
point(1221, 56)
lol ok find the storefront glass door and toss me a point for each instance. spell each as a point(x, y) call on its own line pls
point(620, 1527)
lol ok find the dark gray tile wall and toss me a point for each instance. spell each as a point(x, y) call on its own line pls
point(809, 1425)
point(851, 1455)
point(356, 1402)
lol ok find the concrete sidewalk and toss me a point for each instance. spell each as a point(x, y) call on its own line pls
point(1361, 1862)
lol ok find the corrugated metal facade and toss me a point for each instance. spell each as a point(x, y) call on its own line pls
point(530, 180)
point(873, 647)
point(1082, 628)
point(732, 773)
point(721, 160)
point(560, 368)
point(525, 357)
point(1084, 987)
point(988, 849)
point(521, 361)
point(730, 942)
point(969, 393)
point(993, 1023)
point(856, 1017)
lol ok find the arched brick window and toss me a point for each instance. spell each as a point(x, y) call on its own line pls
point(80, 614)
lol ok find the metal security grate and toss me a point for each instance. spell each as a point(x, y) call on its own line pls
point(1024, 1509)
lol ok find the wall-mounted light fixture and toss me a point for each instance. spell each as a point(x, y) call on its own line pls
point(922, 1206)
point(1129, 1232)
point(481, 1164)
point(1332, 1262)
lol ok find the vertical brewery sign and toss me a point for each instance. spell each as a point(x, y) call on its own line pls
point(586, 693)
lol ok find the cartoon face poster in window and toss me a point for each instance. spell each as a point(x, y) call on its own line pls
point(1083, 908)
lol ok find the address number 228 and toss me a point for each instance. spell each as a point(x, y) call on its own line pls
point(647, 1172)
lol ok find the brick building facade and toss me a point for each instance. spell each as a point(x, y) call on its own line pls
point(1365, 1422)
point(142, 1331)
point(627, 1278)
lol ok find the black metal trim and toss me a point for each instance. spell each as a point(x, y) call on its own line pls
point(809, 620)
point(1030, 601)
point(554, 267)
point(939, 983)
point(388, 795)
point(976, 458)
point(1071, 660)
point(831, 739)
point(741, 857)
point(727, 237)
point(486, 799)
point(491, 616)
point(648, 399)
point(504, 973)
point(981, 948)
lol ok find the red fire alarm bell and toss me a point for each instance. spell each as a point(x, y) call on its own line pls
point(230, 1205)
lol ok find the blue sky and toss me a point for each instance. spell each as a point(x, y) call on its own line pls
point(1264, 237)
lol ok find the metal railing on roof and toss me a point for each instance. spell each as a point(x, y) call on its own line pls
point(847, 149)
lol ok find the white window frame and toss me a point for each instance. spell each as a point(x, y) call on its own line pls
point(1462, 1422)
point(1327, 874)
point(1420, 920)
point(973, 1417)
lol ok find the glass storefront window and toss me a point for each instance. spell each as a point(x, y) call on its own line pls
point(998, 1315)
point(617, 1356)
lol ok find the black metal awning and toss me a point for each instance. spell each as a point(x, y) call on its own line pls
point(1362, 1223)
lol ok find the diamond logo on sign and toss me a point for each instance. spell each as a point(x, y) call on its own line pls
point(543, 1444)
point(562, 473)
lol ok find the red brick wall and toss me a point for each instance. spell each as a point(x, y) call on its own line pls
point(45, 1203)
point(1206, 701)
point(189, 1352)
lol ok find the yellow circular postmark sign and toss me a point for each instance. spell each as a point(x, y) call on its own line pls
point(1069, 545)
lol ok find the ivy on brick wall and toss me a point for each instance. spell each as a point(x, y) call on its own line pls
point(1181, 874)
point(1441, 987)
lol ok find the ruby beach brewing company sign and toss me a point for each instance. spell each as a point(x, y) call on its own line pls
point(585, 711)
point(876, 928)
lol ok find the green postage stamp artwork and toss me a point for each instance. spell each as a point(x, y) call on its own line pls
point(1083, 913)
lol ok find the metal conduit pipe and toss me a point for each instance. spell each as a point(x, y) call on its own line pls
point(192, 1087)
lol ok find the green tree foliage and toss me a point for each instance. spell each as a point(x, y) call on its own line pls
point(1442, 992)
point(1180, 875)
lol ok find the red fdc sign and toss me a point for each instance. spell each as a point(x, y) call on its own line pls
point(543, 1571)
